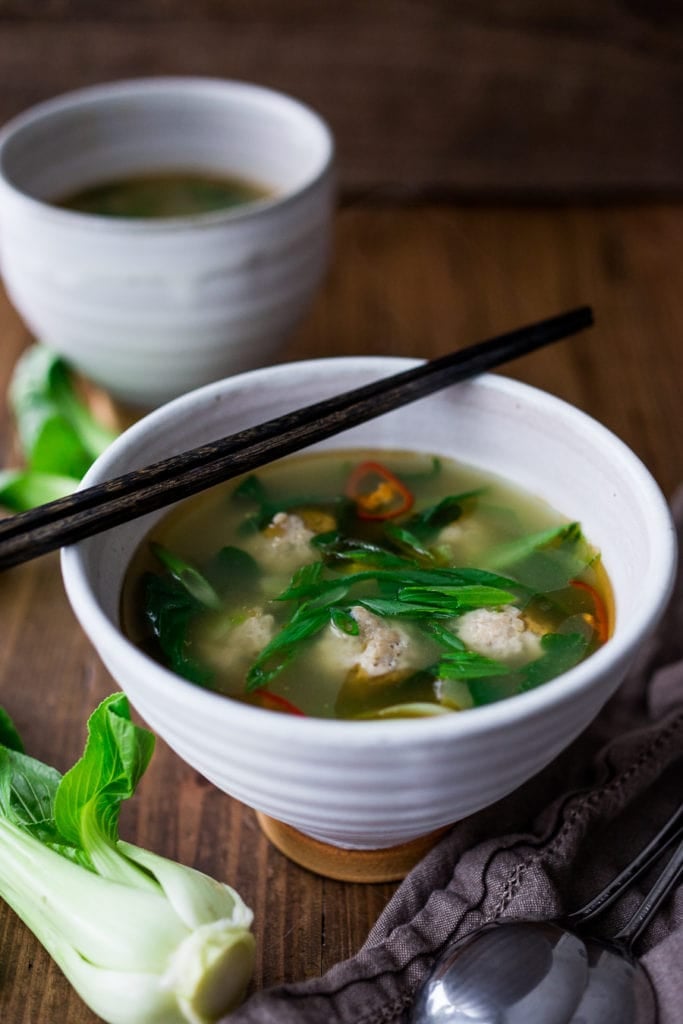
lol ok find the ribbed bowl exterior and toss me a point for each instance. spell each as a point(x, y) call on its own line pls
point(154, 308)
point(368, 785)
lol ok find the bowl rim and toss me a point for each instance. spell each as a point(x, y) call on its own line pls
point(150, 86)
point(656, 591)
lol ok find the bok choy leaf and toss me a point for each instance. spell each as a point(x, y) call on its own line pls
point(21, 489)
point(58, 435)
point(142, 939)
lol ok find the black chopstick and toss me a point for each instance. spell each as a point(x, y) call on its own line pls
point(94, 509)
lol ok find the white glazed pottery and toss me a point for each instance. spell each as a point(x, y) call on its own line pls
point(154, 308)
point(373, 784)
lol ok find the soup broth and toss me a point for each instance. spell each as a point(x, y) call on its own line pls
point(164, 195)
point(364, 584)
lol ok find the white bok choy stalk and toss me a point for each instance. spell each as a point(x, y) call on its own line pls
point(142, 939)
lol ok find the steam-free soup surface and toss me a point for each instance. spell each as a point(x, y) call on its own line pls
point(367, 584)
point(177, 194)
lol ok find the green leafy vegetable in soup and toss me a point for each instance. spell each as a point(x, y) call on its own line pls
point(367, 585)
point(173, 194)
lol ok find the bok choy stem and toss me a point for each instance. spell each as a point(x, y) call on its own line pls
point(143, 940)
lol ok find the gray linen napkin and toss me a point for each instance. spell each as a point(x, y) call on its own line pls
point(581, 820)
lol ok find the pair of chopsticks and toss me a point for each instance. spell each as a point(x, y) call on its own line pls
point(94, 509)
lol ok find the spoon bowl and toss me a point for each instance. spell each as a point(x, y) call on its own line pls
point(618, 990)
point(517, 972)
point(512, 973)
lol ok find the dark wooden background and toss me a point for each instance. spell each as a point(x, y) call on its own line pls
point(540, 98)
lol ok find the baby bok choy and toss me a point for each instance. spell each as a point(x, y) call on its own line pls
point(142, 939)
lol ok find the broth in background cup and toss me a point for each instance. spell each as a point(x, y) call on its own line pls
point(152, 307)
point(174, 193)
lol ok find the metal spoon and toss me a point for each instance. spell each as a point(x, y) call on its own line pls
point(524, 972)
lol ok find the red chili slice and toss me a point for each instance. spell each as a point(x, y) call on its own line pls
point(377, 492)
point(274, 702)
point(601, 616)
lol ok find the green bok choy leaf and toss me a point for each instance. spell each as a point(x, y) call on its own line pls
point(58, 435)
point(142, 939)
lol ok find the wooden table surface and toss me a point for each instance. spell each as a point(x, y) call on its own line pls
point(407, 280)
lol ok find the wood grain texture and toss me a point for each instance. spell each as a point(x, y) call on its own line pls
point(440, 97)
point(416, 280)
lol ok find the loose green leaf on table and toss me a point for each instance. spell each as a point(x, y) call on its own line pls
point(21, 489)
point(58, 435)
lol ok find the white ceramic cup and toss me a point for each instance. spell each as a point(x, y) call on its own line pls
point(374, 784)
point(154, 308)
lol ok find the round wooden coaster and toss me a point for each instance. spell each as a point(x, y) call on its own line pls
point(386, 865)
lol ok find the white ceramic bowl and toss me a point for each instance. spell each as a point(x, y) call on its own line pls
point(153, 308)
point(378, 783)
